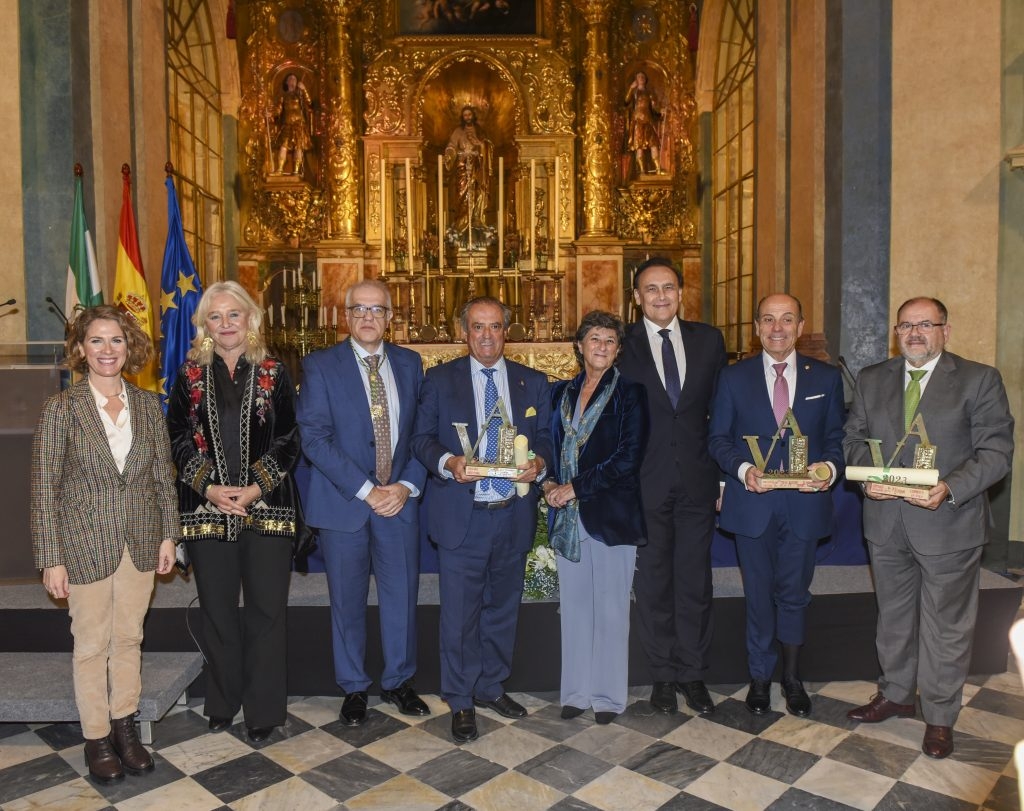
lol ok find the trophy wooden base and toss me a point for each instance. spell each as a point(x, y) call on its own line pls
point(899, 490)
point(492, 470)
point(787, 482)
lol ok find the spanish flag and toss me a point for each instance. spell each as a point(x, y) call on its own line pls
point(130, 293)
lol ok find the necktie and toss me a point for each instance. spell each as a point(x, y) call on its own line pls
point(912, 397)
point(668, 360)
point(380, 417)
point(780, 393)
point(503, 487)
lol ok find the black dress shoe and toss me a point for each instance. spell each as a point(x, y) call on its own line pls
point(604, 717)
point(464, 726)
point(759, 696)
point(353, 709)
point(259, 734)
point(503, 705)
point(697, 696)
point(663, 697)
point(797, 700)
point(569, 711)
point(218, 724)
point(405, 698)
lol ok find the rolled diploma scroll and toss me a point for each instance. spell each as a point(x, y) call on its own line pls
point(521, 454)
point(928, 476)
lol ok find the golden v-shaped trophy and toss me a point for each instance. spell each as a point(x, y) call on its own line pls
point(903, 482)
point(504, 465)
point(796, 475)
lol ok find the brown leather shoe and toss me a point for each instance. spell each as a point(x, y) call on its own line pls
point(879, 709)
point(103, 762)
point(938, 741)
point(133, 754)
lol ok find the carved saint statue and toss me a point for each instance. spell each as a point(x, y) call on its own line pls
point(642, 123)
point(294, 133)
point(467, 160)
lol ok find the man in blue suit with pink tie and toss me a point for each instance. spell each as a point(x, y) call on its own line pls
point(777, 531)
point(356, 413)
point(482, 527)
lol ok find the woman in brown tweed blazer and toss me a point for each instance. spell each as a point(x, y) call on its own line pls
point(231, 416)
point(104, 516)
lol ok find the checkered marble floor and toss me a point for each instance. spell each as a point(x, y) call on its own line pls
point(643, 760)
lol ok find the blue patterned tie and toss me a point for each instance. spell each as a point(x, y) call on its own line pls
point(503, 487)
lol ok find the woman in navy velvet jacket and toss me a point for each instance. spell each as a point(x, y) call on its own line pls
point(599, 426)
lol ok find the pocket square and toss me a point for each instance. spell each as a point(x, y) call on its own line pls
point(814, 397)
point(531, 412)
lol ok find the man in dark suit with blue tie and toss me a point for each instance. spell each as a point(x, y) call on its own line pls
point(356, 414)
point(777, 530)
point(678, 363)
point(482, 528)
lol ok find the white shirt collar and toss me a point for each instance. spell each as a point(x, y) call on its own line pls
point(477, 366)
point(102, 399)
point(769, 361)
point(928, 367)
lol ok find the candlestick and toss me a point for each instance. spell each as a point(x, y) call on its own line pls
point(533, 214)
point(408, 211)
point(440, 210)
point(554, 219)
point(501, 212)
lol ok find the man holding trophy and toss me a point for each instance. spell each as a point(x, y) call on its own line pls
point(483, 433)
point(927, 411)
point(771, 414)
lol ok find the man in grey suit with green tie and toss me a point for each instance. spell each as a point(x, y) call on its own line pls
point(926, 551)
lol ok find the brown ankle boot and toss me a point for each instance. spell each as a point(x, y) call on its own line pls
point(133, 754)
point(103, 762)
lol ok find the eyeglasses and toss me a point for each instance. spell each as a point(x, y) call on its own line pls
point(361, 310)
point(924, 327)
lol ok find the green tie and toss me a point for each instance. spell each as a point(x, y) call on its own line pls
point(912, 396)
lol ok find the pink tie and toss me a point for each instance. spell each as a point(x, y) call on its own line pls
point(780, 395)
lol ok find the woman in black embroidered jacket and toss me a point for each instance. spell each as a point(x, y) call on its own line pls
point(231, 417)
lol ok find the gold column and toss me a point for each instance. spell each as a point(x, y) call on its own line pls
point(340, 136)
point(596, 129)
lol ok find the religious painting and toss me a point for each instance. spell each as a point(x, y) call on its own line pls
point(467, 17)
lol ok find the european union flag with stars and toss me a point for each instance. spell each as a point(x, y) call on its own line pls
point(180, 290)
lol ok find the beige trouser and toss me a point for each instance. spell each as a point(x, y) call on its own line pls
point(106, 622)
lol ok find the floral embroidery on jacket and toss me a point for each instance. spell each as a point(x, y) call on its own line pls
point(266, 378)
point(194, 375)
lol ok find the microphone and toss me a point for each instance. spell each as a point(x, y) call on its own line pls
point(55, 308)
point(850, 376)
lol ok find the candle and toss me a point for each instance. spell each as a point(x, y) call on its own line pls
point(270, 316)
point(283, 324)
point(300, 267)
point(533, 216)
point(334, 316)
point(501, 212)
point(554, 221)
point(440, 209)
point(408, 210)
point(383, 213)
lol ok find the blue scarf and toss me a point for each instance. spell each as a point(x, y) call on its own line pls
point(565, 532)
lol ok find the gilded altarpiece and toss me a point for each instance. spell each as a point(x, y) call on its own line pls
point(351, 164)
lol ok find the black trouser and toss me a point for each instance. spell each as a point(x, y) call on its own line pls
point(245, 647)
point(673, 588)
